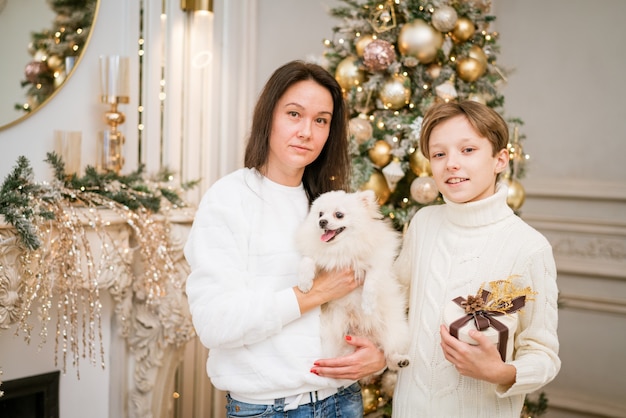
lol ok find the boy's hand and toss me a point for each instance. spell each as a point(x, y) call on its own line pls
point(480, 361)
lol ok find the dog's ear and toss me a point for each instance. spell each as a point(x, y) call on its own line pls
point(370, 202)
point(368, 197)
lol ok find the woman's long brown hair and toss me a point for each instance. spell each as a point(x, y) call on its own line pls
point(331, 169)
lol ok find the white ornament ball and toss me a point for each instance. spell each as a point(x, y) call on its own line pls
point(424, 190)
point(40, 55)
point(444, 18)
point(361, 129)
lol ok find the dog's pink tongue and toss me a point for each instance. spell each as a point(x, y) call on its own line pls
point(327, 236)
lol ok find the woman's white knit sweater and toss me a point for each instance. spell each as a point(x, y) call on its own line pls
point(450, 250)
point(243, 266)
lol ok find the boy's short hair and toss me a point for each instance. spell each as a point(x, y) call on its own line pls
point(486, 121)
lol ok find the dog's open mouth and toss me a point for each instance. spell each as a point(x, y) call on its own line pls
point(330, 234)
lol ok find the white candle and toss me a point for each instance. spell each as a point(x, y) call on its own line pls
point(114, 86)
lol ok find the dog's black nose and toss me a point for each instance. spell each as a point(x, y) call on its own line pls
point(323, 223)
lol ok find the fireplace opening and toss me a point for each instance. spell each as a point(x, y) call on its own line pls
point(31, 397)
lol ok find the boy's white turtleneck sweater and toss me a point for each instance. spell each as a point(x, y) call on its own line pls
point(450, 250)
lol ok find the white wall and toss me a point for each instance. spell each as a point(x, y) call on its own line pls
point(568, 88)
point(291, 30)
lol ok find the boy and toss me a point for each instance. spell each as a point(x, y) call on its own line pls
point(451, 250)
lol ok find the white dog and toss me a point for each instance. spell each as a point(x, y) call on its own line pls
point(346, 230)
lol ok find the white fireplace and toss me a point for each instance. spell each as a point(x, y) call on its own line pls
point(141, 353)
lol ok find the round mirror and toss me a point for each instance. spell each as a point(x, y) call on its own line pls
point(41, 45)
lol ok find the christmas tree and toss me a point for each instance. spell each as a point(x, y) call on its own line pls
point(55, 50)
point(394, 59)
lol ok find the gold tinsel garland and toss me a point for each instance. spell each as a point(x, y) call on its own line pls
point(91, 243)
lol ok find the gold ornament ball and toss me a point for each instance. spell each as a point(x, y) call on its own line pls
point(420, 40)
point(395, 93)
point(361, 129)
point(516, 194)
point(469, 69)
point(380, 154)
point(362, 42)
point(476, 97)
point(378, 184)
point(419, 163)
point(424, 190)
point(463, 30)
point(59, 79)
point(478, 54)
point(444, 18)
point(348, 74)
point(32, 102)
point(370, 398)
point(54, 62)
point(433, 70)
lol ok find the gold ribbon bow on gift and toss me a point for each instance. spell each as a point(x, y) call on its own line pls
point(482, 313)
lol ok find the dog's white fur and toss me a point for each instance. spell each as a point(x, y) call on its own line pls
point(364, 241)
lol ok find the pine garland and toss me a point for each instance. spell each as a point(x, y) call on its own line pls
point(19, 194)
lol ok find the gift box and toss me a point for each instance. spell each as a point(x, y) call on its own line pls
point(495, 314)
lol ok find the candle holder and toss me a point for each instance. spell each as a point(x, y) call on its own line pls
point(67, 146)
point(114, 91)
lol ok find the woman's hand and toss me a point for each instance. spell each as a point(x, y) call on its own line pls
point(367, 359)
point(480, 361)
point(327, 286)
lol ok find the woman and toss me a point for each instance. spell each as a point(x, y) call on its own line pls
point(262, 331)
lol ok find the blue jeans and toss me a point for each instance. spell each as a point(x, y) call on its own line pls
point(346, 403)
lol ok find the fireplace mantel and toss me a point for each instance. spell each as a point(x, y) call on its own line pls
point(153, 331)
